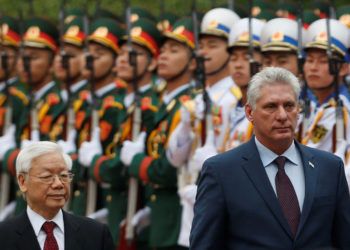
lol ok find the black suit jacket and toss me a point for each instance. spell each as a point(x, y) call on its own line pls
point(237, 208)
point(80, 233)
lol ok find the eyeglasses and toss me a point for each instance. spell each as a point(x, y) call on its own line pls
point(49, 179)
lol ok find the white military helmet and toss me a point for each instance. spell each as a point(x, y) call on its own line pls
point(280, 34)
point(218, 22)
point(316, 36)
point(239, 35)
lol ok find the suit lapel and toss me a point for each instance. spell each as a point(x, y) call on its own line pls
point(27, 239)
point(311, 174)
point(257, 174)
point(71, 228)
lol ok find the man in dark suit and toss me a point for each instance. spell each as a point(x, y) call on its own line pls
point(272, 192)
point(44, 177)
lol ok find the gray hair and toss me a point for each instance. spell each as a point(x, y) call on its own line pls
point(271, 76)
point(36, 149)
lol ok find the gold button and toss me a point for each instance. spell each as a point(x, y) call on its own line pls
point(76, 193)
point(153, 197)
point(109, 198)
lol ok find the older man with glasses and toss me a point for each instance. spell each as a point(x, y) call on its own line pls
point(44, 177)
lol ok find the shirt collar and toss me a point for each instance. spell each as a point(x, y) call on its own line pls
point(221, 85)
point(40, 93)
point(105, 89)
point(37, 220)
point(168, 97)
point(267, 156)
point(74, 88)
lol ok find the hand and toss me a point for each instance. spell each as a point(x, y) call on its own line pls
point(179, 146)
point(200, 107)
point(130, 149)
point(34, 137)
point(141, 219)
point(188, 194)
point(203, 153)
point(88, 150)
point(7, 141)
point(69, 146)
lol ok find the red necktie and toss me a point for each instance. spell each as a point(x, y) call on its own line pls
point(50, 242)
point(287, 196)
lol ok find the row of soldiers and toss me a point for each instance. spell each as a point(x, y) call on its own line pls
point(153, 102)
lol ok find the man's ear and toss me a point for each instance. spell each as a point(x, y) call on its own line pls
point(22, 183)
point(249, 112)
point(344, 70)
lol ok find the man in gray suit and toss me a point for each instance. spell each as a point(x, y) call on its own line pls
point(272, 192)
point(44, 177)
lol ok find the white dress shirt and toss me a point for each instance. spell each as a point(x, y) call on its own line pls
point(37, 222)
point(293, 167)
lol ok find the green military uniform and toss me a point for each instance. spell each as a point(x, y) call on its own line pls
point(108, 168)
point(153, 168)
point(80, 104)
point(13, 93)
point(49, 105)
point(111, 111)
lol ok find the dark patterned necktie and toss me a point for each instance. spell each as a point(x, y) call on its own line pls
point(287, 196)
point(50, 242)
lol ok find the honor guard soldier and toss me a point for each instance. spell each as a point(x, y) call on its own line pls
point(242, 48)
point(13, 101)
point(46, 117)
point(108, 109)
point(69, 65)
point(151, 164)
point(145, 40)
point(223, 92)
point(327, 86)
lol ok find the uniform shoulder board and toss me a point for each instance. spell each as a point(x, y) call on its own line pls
point(16, 92)
point(236, 91)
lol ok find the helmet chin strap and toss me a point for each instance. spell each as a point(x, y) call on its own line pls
point(222, 67)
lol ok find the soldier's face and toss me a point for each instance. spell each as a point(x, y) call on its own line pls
point(316, 70)
point(143, 61)
point(45, 199)
point(174, 57)
point(40, 67)
point(214, 50)
point(75, 63)
point(11, 62)
point(286, 60)
point(104, 60)
point(240, 66)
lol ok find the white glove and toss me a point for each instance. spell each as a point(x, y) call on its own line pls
point(341, 149)
point(180, 143)
point(188, 194)
point(141, 219)
point(88, 150)
point(35, 137)
point(69, 146)
point(7, 141)
point(130, 149)
point(347, 173)
point(203, 153)
point(200, 107)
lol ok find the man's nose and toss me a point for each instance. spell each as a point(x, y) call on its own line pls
point(281, 113)
point(57, 181)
